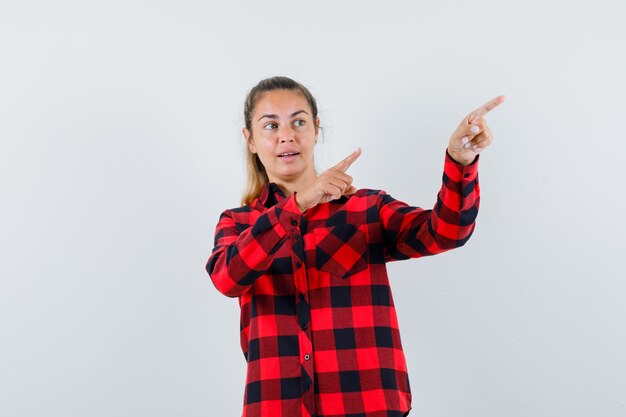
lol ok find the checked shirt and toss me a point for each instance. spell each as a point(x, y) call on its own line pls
point(318, 326)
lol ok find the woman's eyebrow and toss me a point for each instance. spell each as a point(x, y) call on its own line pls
point(273, 116)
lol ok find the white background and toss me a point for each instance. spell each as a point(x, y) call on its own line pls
point(120, 132)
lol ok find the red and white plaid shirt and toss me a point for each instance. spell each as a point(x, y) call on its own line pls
point(318, 325)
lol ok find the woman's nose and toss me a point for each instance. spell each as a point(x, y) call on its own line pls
point(287, 137)
point(286, 134)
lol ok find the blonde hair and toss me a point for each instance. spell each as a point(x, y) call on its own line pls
point(257, 178)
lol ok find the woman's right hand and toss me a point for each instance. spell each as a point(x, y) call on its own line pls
point(473, 135)
point(330, 185)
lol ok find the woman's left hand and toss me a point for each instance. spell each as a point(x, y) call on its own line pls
point(473, 135)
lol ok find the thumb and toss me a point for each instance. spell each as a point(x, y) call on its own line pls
point(350, 190)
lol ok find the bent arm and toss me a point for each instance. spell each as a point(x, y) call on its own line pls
point(412, 232)
point(239, 257)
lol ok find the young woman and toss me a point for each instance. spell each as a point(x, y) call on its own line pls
point(305, 254)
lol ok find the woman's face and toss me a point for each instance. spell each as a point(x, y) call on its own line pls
point(283, 135)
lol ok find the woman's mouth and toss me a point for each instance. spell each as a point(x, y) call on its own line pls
point(289, 156)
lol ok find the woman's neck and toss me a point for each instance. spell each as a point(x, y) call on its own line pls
point(290, 187)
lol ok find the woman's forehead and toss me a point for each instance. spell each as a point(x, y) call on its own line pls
point(281, 103)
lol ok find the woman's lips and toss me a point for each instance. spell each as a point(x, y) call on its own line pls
point(289, 156)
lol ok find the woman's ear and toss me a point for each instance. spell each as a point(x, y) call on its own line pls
point(317, 128)
point(249, 141)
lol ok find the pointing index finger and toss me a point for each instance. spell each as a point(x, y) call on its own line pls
point(345, 164)
point(485, 108)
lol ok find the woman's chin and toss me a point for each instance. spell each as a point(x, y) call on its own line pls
point(288, 173)
point(289, 170)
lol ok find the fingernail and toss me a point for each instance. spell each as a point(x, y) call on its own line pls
point(464, 140)
point(475, 129)
point(467, 145)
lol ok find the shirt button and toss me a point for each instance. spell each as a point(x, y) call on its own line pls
point(307, 357)
point(298, 264)
point(466, 176)
point(296, 236)
point(301, 296)
point(294, 222)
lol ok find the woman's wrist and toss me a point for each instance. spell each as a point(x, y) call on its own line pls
point(300, 206)
point(460, 160)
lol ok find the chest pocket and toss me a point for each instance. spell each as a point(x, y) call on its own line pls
point(341, 250)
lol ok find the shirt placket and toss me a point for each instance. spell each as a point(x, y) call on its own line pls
point(303, 314)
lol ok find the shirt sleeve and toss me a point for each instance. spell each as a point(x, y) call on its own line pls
point(412, 232)
point(239, 258)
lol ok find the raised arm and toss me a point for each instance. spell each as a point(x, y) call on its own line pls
point(412, 231)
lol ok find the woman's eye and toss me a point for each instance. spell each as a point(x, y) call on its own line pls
point(299, 122)
point(270, 126)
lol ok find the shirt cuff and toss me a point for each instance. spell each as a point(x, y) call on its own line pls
point(457, 172)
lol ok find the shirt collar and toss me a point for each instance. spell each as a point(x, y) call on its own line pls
point(271, 195)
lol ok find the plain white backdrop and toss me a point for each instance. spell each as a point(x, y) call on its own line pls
point(120, 132)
